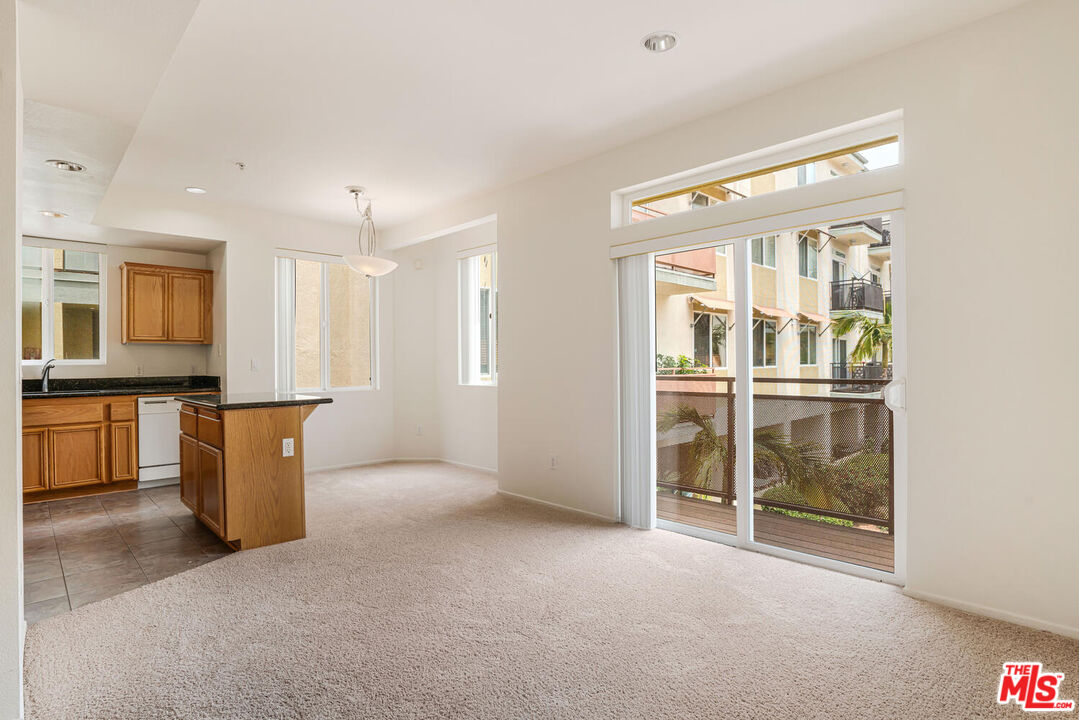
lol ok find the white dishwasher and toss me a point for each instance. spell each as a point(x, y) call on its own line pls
point(159, 441)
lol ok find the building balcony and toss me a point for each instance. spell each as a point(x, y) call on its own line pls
point(855, 376)
point(857, 295)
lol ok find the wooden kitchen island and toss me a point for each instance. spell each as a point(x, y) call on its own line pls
point(239, 472)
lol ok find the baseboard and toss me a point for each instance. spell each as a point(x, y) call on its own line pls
point(360, 463)
point(529, 498)
point(996, 614)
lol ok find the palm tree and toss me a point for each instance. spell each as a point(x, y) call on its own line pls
point(873, 334)
point(803, 465)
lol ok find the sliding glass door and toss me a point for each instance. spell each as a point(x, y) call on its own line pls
point(806, 467)
point(696, 364)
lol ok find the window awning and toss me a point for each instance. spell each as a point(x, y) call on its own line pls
point(813, 317)
point(774, 312)
point(712, 302)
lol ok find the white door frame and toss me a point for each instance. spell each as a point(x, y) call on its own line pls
point(744, 403)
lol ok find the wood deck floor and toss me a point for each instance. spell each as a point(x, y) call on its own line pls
point(852, 545)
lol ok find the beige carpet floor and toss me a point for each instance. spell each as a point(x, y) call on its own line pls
point(421, 593)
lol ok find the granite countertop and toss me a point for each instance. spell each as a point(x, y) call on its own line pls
point(141, 385)
point(246, 401)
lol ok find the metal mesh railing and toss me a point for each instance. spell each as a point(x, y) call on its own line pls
point(816, 456)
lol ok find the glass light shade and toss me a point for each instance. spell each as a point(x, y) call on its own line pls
point(370, 265)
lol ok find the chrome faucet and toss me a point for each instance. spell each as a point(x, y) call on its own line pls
point(45, 375)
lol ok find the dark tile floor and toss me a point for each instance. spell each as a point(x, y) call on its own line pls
point(86, 549)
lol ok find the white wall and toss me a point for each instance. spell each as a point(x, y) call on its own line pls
point(989, 139)
point(11, 606)
point(435, 416)
point(126, 360)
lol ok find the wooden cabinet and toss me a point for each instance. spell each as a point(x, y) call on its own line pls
point(123, 450)
point(71, 445)
point(212, 488)
point(235, 477)
point(202, 467)
point(189, 472)
point(162, 304)
point(35, 460)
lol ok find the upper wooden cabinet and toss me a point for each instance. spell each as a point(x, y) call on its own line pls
point(162, 304)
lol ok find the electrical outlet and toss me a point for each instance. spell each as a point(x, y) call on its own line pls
point(419, 431)
point(138, 369)
point(554, 462)
point(288, 447)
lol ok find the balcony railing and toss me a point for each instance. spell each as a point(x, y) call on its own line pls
point(857, 295)
point(857, 373)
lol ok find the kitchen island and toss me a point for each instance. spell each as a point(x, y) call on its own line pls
point(241, 464)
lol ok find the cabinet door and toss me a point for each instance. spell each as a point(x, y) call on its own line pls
point(124, 462)
point(189, 320)
point(76, 455)
point(35, 460)
point(189, 472)
point(144, 306)
point(212, 488)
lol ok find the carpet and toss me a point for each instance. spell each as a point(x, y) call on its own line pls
point(422, 593)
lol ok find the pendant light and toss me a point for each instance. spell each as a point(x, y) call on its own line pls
point(365, 262)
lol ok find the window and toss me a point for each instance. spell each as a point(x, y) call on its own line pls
point(763, 251)
point(810, 168)
point(874, 278)
point(839, 270)
point(710, 340)
point(807, 345)
point(764, 343)
point(478, 327)
point(807, 257)
point(325, 326)
point(63, 306)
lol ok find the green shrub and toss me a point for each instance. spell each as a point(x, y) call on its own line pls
point(788, 494)
point(861, 482)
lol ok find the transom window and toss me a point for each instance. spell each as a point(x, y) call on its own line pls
point(63, 306)
point(325, 326)
point(862, 157)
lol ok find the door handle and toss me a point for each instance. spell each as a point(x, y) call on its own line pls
point(895, 395)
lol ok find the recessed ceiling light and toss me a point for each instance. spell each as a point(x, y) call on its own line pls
point(658, 42)
point(196, 190)
point(65, 165)
point(52, 213)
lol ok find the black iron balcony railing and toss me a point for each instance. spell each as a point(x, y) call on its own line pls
point(857, 295)
point(855, 372)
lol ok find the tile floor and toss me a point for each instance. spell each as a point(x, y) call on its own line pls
point(86, 549)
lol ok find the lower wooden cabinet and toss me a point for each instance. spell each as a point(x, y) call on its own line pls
point(72, 444)
point(122, 451)
point(212, 487)
point(76, 455)
point(35, 460)
point(189, 472)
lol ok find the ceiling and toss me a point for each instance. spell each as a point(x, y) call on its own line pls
point(423, 102)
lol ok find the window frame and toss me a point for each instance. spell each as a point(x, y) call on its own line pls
point(764, 322)
point(48, 326)
point(808, 329)
point(764, 251)
point(467, 311)
point(713, 318)
point(809, 243)
point(285, 351)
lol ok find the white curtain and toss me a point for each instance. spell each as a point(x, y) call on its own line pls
point(637, 399)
